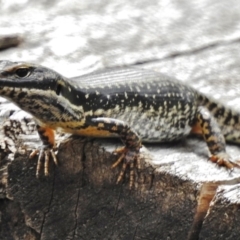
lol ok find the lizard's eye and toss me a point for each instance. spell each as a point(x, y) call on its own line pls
point(22, 72)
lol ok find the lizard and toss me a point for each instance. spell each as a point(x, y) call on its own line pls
point(136, 105)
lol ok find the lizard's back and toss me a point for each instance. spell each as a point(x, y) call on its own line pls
point(155, 106)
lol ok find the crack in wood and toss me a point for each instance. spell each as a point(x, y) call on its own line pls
point(49, 207)
point(83, 157)
point(188, 52)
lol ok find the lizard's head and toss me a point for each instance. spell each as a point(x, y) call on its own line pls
point(31, 87)
point(20, 77)
point(38, 90)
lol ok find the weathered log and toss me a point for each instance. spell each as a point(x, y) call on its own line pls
point(81, 200)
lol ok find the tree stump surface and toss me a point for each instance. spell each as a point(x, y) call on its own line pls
point(178, 193)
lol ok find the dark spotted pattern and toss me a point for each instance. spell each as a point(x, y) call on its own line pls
point(136, 105)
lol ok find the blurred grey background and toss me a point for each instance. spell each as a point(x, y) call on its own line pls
point(195, 41)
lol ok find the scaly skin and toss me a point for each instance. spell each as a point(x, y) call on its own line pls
point(132, 104)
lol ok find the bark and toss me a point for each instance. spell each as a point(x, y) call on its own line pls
point(177, 194)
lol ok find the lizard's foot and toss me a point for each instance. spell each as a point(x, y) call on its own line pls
point(128, 157)
point(44, 156)
point(223, 159)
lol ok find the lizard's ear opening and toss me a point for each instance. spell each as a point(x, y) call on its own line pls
point(58, 89)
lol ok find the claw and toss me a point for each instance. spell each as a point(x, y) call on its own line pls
point(39, 162)
point(127, 158)
point(222, 159)
point(131, 179)
point(34, 153)
point(54, 157)
point(121, 174)
point(46, 163)
point(120, 159)
point(119, 150)
point(44, 156)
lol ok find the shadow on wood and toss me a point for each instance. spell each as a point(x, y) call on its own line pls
point(80, 199)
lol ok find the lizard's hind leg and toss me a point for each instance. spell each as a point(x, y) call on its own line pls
point(208, 127)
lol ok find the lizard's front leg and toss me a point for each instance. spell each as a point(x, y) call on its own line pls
point(129, 154)
point(46, 151)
